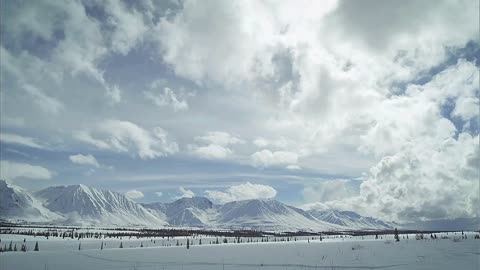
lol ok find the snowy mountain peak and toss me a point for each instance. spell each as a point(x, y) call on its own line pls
point(196, 202)
point(195, 211)
point(268, 214)
point(82, 203)
point(18, 204)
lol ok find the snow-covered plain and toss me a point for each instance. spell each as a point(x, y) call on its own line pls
point(333, 252)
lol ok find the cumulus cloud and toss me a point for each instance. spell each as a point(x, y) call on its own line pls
point(267, 158)
point(424, 164)
point(259, 25)
point(125, 136)
point(185, 193)
point(330, 190)
point(15, 170)
point(217, 145)
point(426, 182)
point(20, 140)
point(84, 160)
point(134, 194)
point(466, 108)
point(247, 191)
point(212, 151)
point(391, 127)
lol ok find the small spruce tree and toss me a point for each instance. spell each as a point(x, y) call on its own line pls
point(188, 243)
point(121, 244)
point(36, 246)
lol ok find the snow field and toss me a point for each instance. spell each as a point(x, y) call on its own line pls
point(331, 253)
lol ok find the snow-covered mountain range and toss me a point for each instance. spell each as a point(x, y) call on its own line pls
point(18, 204)
point(247, 214)
point(349, 219)
point(86, 205)
point(82, 205)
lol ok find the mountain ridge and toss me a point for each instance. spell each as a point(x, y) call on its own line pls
point(84, 205)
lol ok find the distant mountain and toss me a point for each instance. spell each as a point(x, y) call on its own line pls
point(18, 204)
point(349, 219)
point(80, 204)
point(248, 214)
point(268, 215)
point(189, 212)
point(83, 205)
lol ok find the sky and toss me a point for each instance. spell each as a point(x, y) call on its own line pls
point(370, 106)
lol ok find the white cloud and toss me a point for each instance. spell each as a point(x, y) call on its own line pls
point(261, 27)
point(425, 182)
point(240, 192)
point(424, 166)
point(159, 193)
point(330, 83)
point(294, 167)
point(124, 136)
point(113, 93)
point(129, 25)
point(167, 97)
point(267, 158)
point(84, 160)
point(212, 151)
point(79, 52)
point(261, 142)
point(45, 102)
point(134, 194)
point(14, 170)
point(391, 126)
point(329, 190)
point(20, 140)
point(466, 108)
point(219, 138)
point(185, 193)
point(218, 145)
